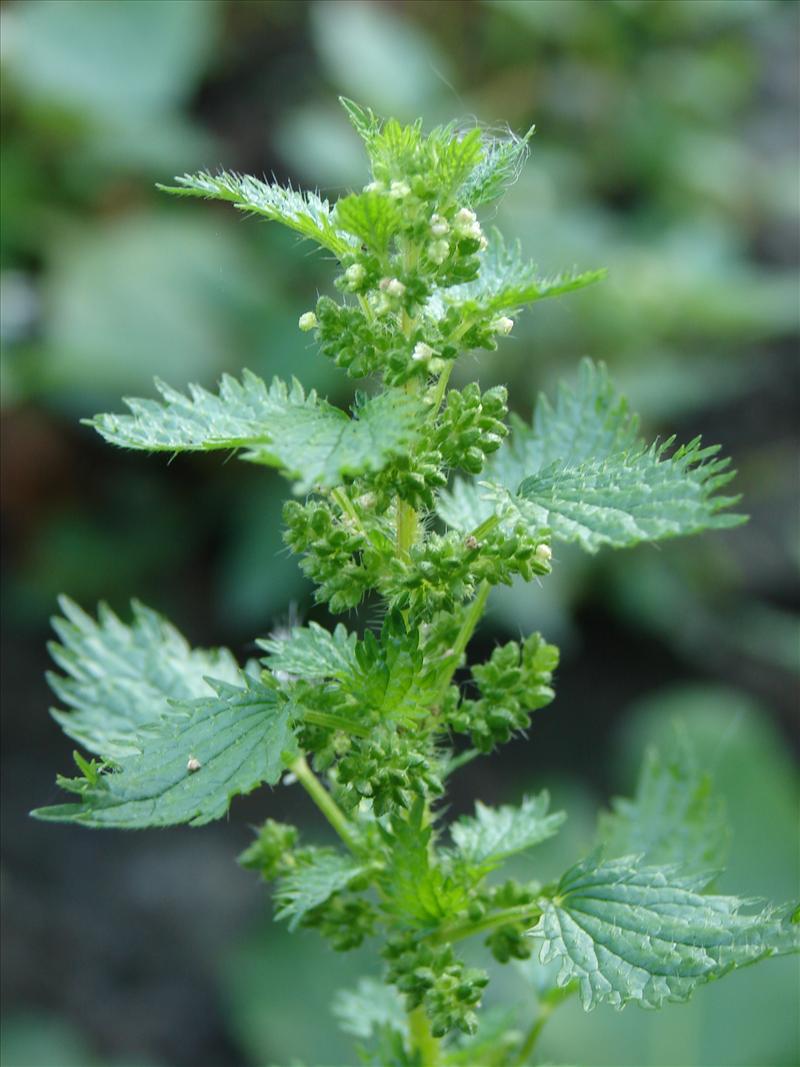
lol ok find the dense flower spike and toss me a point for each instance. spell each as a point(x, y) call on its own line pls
point(416, 502)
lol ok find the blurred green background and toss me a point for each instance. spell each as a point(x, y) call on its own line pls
point(665, 150)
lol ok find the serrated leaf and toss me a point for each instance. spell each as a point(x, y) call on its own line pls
point(493, 834)
point(304, 212)
point(395, 149)
point(188, 772)
point(312, 652)
point(644, 496)
point(582, 472)
point(456, 155)
point(363, 119)
point(674, 817)
point(414, 886)
point(499, 167)
point(371, 217)
point(506, 281)
point(389, 678)
point(319, 874)
point(119, 679)
point(370, 1007)
point(313, 442)
point(644, 934)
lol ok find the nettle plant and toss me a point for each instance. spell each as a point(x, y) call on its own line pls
point(416, 502)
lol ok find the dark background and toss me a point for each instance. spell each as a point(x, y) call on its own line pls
point(665, 150)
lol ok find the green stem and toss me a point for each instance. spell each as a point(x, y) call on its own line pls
point(407, 522)
point(547, 1006)
point(528, 1045)
point(335, 722)
point(407, 526)
point(368, 313)
point(441, 385)
point(471, 620)
point(422, 1040)
point(458, 931)
point(346, 504)
point(484, 527)
point(324, 801)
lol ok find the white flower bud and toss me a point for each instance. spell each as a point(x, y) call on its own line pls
point(422, 352)
point(395, 287)
point(398, 190)
point(438, 251)
point(355, 274)
point(503, 326)
point(307, 321)
point(465, 217)
point(467, 225)
point(543, 553)
point(483, 244)
point(439, 225)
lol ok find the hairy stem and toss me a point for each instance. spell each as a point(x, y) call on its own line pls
point(458, 931)
point(324, 801)
point(422, 1040)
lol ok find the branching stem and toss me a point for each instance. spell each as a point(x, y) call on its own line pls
point(458, 931)
point(324, 801)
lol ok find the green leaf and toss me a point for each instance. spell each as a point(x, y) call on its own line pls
point(188, 772)
point(674, 817)
point(313, 442)
point(582, 472)
point(644, 496)
point(304, 212)
point(589, 421)
point(363, 119)
point(413, 885)
point(312, 652)
point(119, 679)
point(455, 155)
point(506, 282)
point(371, 217)
point(389, 680)
point(371, 1007)
point(319, 874)
point(493, 834)
point(629, 932)
point(503, 159)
